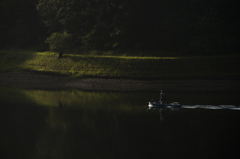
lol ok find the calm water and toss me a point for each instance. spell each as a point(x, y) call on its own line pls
point(60, 124)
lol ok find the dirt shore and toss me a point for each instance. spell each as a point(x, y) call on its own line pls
point(32, 80)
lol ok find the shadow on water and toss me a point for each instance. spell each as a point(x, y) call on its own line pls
point(90, 124)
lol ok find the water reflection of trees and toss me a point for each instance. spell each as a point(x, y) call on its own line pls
point(79, 98)
point(82, 123)
point(55, 124)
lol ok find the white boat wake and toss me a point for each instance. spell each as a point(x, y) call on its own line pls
point(232, 107)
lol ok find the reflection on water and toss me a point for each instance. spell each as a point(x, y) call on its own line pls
point(70, 124)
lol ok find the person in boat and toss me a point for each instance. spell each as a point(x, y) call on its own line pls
point(162, 97)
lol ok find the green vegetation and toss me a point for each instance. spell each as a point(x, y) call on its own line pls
point(205, 27)
point(121, 65)
point(60, 42)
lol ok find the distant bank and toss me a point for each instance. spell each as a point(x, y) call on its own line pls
point(122, 66)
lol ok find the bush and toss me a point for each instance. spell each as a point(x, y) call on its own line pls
point(60, 42)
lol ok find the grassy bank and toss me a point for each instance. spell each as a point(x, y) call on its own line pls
point(122, 64)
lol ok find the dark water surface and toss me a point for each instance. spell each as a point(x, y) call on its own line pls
point(69, 124)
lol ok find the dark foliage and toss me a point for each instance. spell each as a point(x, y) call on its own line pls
point(194, 26)
point(20, 25)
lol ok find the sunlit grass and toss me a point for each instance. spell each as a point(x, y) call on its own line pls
point(120, 65)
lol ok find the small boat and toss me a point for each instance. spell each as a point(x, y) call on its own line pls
point(158, 105)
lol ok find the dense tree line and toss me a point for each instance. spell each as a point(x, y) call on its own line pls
point(19, 23)
point(195, 26)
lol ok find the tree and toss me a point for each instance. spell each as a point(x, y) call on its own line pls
point(97, 24)
point(19, 24)
point(60, 42)
point(187, 25)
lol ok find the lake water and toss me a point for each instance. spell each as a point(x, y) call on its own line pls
point(69, 124)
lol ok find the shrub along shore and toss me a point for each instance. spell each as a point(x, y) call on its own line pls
point(129, 65)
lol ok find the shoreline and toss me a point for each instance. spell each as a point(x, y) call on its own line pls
point(31, 80)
